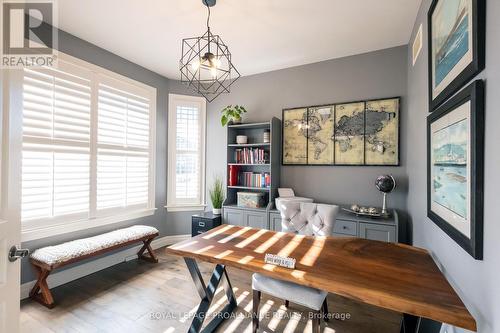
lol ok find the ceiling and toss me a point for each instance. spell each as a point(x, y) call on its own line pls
point(262, 35)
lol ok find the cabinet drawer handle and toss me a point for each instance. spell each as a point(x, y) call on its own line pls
point(201, 224)
point(344, 227)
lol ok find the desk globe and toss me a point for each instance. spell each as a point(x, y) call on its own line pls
point(385, 184)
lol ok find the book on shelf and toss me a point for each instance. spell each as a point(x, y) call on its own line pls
point(251, 156)
point(255, 179)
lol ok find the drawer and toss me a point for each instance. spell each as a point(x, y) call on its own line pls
point(198, 232)
point(341, 235)
point(384, 233)
point(205, 224)
point(345, 227)
point(202, 223)
point(195, 230)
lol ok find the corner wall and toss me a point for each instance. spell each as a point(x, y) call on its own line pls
point(477, 282)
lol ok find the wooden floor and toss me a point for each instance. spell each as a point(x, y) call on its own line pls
point(137, 296)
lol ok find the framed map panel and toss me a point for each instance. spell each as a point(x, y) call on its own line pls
point(349, 134)
point(382, 132)
point(320, 135)
point(353, 133)
point(294, 136)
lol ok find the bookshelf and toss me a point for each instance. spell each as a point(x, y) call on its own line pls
point(255, 217)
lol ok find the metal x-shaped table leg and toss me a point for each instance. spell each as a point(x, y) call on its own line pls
point(207, 294)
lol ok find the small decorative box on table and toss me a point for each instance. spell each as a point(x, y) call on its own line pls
point(203, 222)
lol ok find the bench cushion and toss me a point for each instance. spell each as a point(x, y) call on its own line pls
point(61, 253)
point(308, 297)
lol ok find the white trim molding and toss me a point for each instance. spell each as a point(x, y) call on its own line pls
point(65, 227)
point(74, 273)
point(185, 208)
point(192, 102)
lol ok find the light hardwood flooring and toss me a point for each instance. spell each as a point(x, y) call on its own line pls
point(137, 296)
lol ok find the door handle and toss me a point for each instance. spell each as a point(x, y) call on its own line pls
point(15, 253)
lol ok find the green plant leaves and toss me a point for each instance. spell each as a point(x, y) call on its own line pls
point(231, 112)
point(217, 193)
point(223, 120)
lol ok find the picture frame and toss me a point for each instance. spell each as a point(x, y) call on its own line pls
point(456, 46)
point(455, 168)
point(417, 45)
point(369, 128)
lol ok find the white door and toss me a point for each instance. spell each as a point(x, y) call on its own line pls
point(10, 221)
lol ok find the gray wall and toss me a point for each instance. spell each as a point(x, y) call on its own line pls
point(167, 223)
point(476, 281)
point(372, 75)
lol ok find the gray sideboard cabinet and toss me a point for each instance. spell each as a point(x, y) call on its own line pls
point(246, 217)
point(350, 225)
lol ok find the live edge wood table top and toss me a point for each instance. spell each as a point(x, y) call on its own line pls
point(398, 277)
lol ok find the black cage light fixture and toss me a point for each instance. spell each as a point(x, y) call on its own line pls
point(206, 64)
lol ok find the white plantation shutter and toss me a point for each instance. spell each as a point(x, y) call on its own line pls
point(56, 144)
point(187, 175)
point(122, 148)
point(87, 144)
point(186, 151)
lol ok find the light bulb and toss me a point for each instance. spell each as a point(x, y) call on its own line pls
point(195, 65)
point(213, 71)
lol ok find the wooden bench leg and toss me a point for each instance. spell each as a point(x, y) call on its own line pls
point(40, 291)
point(147, 246)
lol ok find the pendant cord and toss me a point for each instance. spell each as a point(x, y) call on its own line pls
point(208, 18)
point(208, 26)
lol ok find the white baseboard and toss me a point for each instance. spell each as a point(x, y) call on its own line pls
point(71, 274)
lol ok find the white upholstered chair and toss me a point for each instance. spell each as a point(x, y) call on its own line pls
point(303, 218)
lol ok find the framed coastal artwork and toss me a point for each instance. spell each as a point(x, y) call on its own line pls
point(455, 138)
point(354, 133)
point(456, 46)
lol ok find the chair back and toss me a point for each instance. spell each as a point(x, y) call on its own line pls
point(306, 218)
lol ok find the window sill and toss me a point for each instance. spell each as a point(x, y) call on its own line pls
point(35, 233)
point(185, 208)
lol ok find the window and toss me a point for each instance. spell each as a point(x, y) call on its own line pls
point(88, 147)
point(186, 153)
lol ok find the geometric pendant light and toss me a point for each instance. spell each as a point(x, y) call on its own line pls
point(206, 65)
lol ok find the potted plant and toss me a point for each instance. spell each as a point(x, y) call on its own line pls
point(217, 195)
point(232, 114)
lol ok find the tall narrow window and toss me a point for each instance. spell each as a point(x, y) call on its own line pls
point(88, 146)
point(186, 160)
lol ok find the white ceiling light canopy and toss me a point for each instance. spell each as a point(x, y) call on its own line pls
point(206, 64)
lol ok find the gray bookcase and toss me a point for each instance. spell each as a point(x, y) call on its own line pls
point(253, 217)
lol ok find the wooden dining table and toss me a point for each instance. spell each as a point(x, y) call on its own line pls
point(397, 277)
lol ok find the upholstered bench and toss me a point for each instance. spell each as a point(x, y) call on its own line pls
point(46, 259)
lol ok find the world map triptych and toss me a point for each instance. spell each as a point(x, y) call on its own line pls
point(355, 133)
